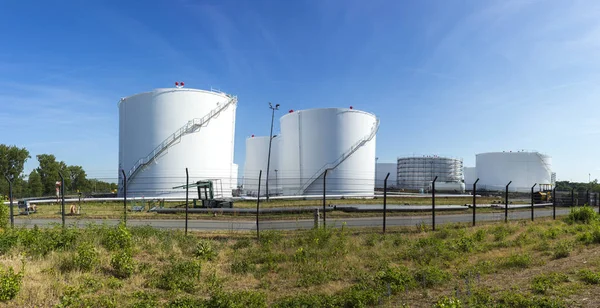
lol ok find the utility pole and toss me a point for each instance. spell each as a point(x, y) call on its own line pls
point(270, 141)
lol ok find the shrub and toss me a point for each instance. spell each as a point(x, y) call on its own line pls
point(397, 278)
point(10, 283)
point(448, 302)
point(204, 250)
point(86, 257)
point(583, 215)
point(241, 267)
point(544, 282)
point(562, 250)
point(180, 275)
point(589, 276)
point(517, 261)
point(8, 239)
point(122, 264)
point(242, 243)
point(4, 215)
point(430, 276)
point(118, 238)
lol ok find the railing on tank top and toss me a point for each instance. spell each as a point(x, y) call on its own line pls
point(342, 158)
point(190, 127)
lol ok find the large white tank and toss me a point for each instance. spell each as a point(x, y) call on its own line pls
point(416, 173)
point(340, 139)
point(470, 174)
point(524, 169)
point(257, 152)
point(166, 130)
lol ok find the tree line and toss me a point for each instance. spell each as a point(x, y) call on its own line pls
point(41, 181)
point(593, 186)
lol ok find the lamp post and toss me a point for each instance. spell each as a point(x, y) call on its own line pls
point(276, 183)
point(270, 141)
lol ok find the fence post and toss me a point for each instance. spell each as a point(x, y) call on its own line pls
point(258, 205)
point(572, 197)
point(506, 203)
point(532, 201)
point(385, 199)
point(433, 203)
point(554, 203)
point(10, 199)
point(324, 198)
point(587, 197)
point(187, 189)
point(124, 197)
point(62, 198)
point(474, 202)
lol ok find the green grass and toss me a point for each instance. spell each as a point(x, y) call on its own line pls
point(494, 265)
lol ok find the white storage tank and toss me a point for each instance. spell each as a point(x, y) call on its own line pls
point(166, 130)
point(257, 152)
point(340, 139)
point(496, 169)
point(470, 174)
point(416, 173)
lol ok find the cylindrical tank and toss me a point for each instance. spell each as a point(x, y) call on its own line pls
point(257, 153)
point(470, 174)
point(164, 131)
point(524, 169)
point(339, 139)
point(416, 173)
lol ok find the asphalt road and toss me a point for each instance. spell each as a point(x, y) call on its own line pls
point(249, 225)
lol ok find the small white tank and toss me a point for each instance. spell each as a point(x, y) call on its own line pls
point(257, 152)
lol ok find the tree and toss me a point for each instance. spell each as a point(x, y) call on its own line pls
point(34, 184)
point(12, 161)
point(78, 179)
point(48, 171)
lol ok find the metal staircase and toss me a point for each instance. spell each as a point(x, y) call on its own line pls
point(191, 126)
point(342, 158)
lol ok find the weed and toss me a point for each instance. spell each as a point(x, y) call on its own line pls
point(314, 273)
point(584, 215)
point(544, 282)
point(397, 278)
point(513, 299)
point(239, 299)
point(448, 302)
point(242, 267)
point(118, 238)
point(269, 237)
point(482, 267)
point(86, 257)
point(122, 264)
point(4, 215)
point(589, 276)
point(8, 239)
point(517, 261)
point(562, 249)
point(204, 251)
point(500, 232)
point(10, 283)
point(430, 276)
point(180, 275)
point(242, 243)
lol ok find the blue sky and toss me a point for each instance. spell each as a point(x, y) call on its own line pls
point(449, 78)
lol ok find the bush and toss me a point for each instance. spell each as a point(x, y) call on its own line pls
point(10, 283)
point(562, 250)
point(180, 275)
point(118, 238)
point(86, 257)
point(448, 302)
point(589, 277)
point(205, 251)
point(397, 278)
point(517, 261)
point(583, 215)
point(430, 276)
point(122, 264)
point(8, 239)
point(544, 282)
point(4, 216)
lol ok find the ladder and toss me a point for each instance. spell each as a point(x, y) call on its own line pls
point(191, 126)
point(342, 158)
